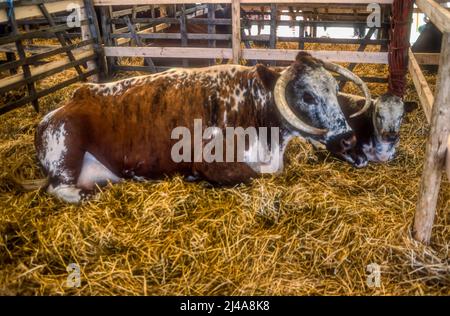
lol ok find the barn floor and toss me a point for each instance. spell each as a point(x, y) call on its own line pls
point(311, 231)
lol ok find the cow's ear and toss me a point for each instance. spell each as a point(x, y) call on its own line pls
point(267, 76)
point(410, 106)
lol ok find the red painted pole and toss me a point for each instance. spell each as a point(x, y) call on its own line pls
point(401, 20)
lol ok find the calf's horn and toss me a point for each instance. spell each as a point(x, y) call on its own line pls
point(284, 109)
point(351, 76)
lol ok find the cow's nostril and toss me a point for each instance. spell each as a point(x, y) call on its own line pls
point(348, 142)
point(390, 136)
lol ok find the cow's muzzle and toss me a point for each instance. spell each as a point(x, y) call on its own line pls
point(391, 137)
point(341, 143)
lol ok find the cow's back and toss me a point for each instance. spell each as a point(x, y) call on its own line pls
point(127, 125)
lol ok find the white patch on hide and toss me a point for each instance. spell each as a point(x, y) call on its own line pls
point(238, 98)
point(94, 172)
point(54, 151)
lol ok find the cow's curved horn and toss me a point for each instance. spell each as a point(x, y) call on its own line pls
point(284, 109)
point(350, 75)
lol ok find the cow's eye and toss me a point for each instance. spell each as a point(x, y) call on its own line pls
point(308, 98)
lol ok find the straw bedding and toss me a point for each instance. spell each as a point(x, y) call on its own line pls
point(313, 230)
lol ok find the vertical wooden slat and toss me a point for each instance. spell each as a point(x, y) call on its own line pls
point(9, 58)
point(95, 31)
point(88, 33)
point(152, 10)
point(273, 26)
point(59, 35)
point(26, 68)
point(153, 15)
point(211, 27)
point(147, 60)
point(273, 29)
point(386, 14)
point(134, 11)
point(314, 27)
point(136, 27)
point(361, 48)
point(236, 30)
point(247, 25)
point(183, 32)
point(110, 13)
point(436, 150)
point(301, 34)
point(105, 18)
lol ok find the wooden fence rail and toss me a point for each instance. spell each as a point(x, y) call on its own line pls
point(82, 56)
point(238, 21)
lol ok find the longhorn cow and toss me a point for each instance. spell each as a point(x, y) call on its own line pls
point(123, 130)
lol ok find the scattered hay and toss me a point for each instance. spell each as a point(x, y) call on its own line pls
point(312, 230)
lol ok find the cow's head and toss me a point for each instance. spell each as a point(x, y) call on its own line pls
point(388, 115)
point(305, 95)
point(387, 118)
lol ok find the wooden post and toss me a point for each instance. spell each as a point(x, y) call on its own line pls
point(236, 30)
point(110, 14)
point(147, 60)
point(59, 35)
point(107, 26)
point(211, 27)
point(436, 150)
point(361, 48)
point(424, 92)
point(136, 26)
point(183, 32)
point(26, 68)
point(87, 33)
point(273, 29)
point(314, 28)
point(247, 25)
point(273, 26)
point(301, 33)
point(386, 15)
point(134, 12)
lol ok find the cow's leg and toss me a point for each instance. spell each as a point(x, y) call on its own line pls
point(59, 150)
point(94, 173)
point(225, 173)
point(82, 185)
point(69, 193)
